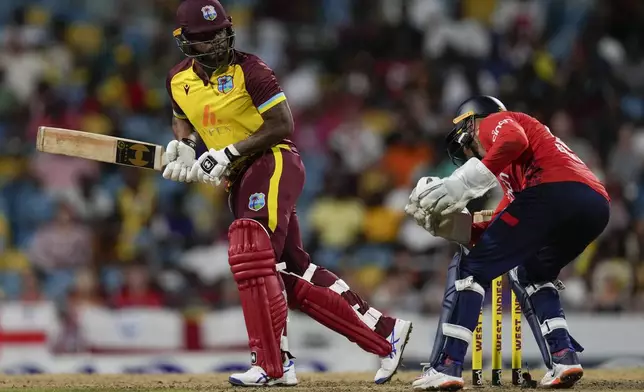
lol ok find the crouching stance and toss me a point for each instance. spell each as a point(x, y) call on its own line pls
point(553, 208)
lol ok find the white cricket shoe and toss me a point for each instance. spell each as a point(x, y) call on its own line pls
point(256, 377)
point(398, 338)
point(566, 371)
point(434, 380)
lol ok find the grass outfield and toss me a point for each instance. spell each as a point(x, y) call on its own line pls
point(594, 380)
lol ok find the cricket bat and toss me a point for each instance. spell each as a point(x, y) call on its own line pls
point(459, 227)
point(102, 148)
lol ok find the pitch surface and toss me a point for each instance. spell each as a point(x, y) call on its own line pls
point(594, 380)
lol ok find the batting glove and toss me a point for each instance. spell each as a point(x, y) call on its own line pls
point(181, 157)
point(211, 166)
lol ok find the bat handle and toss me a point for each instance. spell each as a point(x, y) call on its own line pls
point(483, 216)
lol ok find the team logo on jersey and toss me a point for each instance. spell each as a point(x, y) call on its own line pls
point(209, 13)
point(186, 88)
point(256, 202)
point(225, 84)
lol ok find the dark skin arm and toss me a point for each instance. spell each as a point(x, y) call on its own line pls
point(183, 129)
point(278, 125)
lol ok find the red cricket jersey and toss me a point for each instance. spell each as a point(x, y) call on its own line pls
point(522, 153)
point(535, 155)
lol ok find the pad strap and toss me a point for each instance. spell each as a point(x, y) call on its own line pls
point(457, 332)
point(533, 288)
point(552, 324)
point(326, 306)
point(469, 284)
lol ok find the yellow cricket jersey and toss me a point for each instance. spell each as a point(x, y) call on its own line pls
point(225, 108)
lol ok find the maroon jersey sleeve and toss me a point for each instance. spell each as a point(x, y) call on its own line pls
point(504, 140)
point(261, 83)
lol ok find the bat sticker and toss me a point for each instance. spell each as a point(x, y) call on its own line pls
point(135, 154)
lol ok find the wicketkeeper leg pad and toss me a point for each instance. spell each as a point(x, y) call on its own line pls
point(541, 307)
point(252, 262)
point(449, 302)
point(461, 308)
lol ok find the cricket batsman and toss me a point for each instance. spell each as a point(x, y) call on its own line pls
point(233, 101)
point(552, 209)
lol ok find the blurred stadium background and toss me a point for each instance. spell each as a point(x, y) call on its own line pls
point(96, 258)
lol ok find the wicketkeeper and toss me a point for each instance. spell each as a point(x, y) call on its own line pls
point(553, 208)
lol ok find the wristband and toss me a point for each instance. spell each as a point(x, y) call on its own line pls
point(231, 152)
point(191, 143)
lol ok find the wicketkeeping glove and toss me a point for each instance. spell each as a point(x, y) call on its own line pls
point(423, 187)
point(470, 181)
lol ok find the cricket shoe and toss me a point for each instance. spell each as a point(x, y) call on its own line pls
point(256, 377)
point(398, 338)
point(566, 370)
point(445, 377)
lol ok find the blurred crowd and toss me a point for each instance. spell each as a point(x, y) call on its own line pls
point(372, 85)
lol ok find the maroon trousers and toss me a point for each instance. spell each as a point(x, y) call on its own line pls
point(267, 191)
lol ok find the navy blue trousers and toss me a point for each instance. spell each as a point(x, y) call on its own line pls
point(541, 231)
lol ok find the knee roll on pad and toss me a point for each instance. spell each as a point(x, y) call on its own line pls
point(253, 265)
point(533, 288)
point(454, 285)
point(524, 291)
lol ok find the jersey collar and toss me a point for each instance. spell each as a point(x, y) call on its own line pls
point(201, 73)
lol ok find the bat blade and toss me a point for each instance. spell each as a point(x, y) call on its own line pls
point(103, 148)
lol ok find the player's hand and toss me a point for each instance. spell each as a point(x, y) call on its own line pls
point(470, 181)
point(181, 156)
point(211, 166)
point(423, 187)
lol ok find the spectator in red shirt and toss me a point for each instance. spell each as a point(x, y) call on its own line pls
point(138, 290)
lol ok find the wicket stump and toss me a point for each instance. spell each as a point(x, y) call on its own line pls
point(497, 337)
point(517, 342)
point(497, 330)
point(477, 353)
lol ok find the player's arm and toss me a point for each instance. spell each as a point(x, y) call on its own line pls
point(181, 152)
point(183, 129)
point(504, 141)
point(270, 101)
point(278, 125)
point(508, 142)
point(181, 126)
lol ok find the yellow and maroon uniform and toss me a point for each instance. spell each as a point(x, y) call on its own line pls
point(227, 108)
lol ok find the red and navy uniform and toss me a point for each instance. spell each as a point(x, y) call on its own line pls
point(523, 153)
point(553, 208)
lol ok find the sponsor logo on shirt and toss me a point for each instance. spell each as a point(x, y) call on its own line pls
point(497, 129)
